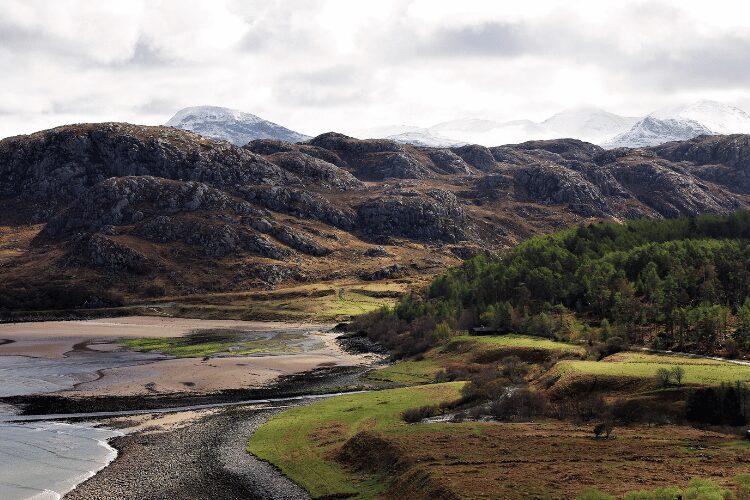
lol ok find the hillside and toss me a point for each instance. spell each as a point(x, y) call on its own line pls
point(101, 214)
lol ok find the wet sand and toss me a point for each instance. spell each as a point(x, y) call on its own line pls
point(53, 339)
point(82, 358)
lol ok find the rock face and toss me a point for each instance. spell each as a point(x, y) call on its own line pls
point(136, 208)
point(437, 216)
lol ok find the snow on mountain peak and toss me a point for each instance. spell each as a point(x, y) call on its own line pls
point(720, 118)
point(231, 125)
point(652, 131)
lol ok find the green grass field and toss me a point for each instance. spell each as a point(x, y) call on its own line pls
point(423, 371)
point(301, 440)
point(522, 342)
point(406, 372)
point(640, 365)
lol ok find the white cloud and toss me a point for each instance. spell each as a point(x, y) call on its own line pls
point(342, 65)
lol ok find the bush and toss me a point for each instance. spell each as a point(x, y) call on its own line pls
point(513, 368)
point(663, 376)
point(613, 345)
point(581, 408)
point(669, 493)
point(678, 373)
point(649, 411)
point(519, 404)
point(414, 415)
point(603, 428)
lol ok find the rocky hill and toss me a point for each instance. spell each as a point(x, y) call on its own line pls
point(122, 212)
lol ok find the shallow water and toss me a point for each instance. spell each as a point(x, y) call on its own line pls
point(22, 375)
point(45, 460)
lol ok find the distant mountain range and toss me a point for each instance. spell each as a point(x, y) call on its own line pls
point(230, 125)
point(587, 124)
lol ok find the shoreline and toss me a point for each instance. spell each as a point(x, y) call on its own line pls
point(204, 459)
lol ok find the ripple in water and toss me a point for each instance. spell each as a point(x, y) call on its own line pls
point(45, 460)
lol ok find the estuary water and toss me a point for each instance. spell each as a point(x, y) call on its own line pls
point(45, 460)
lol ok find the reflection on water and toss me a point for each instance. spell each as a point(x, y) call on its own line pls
point(45, 460)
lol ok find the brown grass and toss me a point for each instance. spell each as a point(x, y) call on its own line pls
point(559, 460)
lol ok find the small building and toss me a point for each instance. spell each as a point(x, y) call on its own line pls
point(483, 330)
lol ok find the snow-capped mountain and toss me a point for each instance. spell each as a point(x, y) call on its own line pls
point(425, 137)
point(652, 131)
point(231, 125)
point(491, 133)
point(408, 134)
point(585, 123)
point(588, 124)
point(718, 117)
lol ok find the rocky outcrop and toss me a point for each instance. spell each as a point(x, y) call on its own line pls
point(556, 185)
point(478, 157)
point(446, 161)
point(100, 251)
point(374, 159)
point(128, 200)
point(300, 204)
point(669, 191)
point(318, 172)
point(723, 160)
point(437, 216)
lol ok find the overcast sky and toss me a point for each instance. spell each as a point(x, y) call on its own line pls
point(344, 65)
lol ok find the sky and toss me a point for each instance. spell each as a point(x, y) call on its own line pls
point(344, 65)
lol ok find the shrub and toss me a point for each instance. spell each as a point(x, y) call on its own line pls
point(582, 408)
point(603, 428)
point(678, 373)
point(669, 493)
point(413, 415)
point(513, 368)
point(663, 376)
point(519, 404)
point(703, 489)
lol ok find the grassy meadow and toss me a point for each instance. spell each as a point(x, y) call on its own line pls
point(300, 441)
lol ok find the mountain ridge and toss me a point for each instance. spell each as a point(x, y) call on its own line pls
point(142, 210)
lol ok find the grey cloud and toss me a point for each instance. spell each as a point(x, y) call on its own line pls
point(488, 39)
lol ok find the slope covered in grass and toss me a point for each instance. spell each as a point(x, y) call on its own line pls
point(638, 365)
point(301, 441)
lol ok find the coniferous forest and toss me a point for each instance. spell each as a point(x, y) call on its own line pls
point(680, 284)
